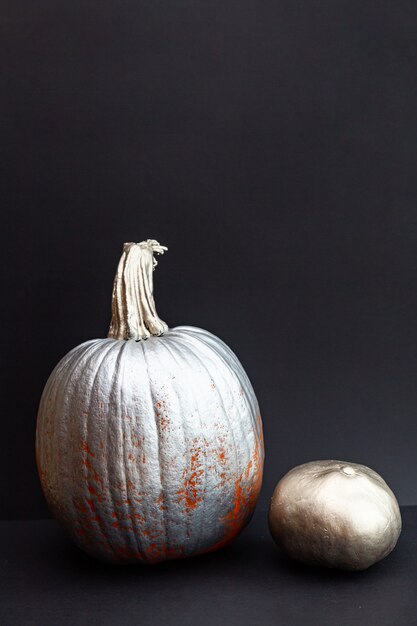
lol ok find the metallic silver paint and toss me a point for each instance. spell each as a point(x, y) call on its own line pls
point(150, 449)
point(333, 513)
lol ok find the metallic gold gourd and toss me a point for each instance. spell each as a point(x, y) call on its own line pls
point(336, 514)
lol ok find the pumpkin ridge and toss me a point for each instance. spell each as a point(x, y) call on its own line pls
point(112, 470)
point(171, 351)
point(50, 424)
point(138, 471)
point(122, 421)
point(160, 465)
point(92, 389)
point(63, 363)
point(63, 413)
point(50, 387)
point(204, 490)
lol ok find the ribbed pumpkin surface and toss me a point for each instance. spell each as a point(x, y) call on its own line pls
point(150, 449)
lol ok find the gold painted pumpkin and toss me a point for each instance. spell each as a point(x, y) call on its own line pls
point(149, 442)
point(336, 514)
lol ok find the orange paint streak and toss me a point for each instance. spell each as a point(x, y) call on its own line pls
point(246, 491)
point(261, 434)
point(96, 477)
point(249, 466)
point(85, 447)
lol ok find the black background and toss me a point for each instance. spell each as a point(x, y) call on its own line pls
point(271, 145)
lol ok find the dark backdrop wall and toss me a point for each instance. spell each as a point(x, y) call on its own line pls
point(272, 146)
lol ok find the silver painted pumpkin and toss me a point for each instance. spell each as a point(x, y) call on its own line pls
point(149, 442)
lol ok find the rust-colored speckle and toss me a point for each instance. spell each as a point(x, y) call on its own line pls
point(161, 502)
point(191, 492)
point(161, 415)
point(160, 552)
point(223, 465)
point(221, 454)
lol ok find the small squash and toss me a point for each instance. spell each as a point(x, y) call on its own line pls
point(149, 442)
point(335, 514)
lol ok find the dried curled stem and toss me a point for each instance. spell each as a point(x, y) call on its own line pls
point(134, 314)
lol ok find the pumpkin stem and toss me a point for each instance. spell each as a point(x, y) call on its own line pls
point(133, 308)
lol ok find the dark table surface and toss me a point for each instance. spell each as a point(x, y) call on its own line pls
point(45, 580)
